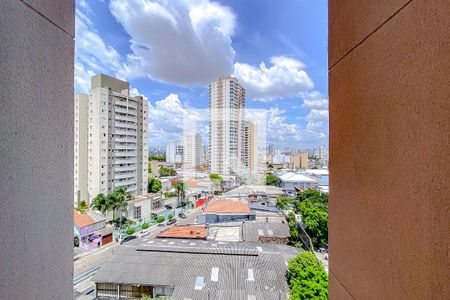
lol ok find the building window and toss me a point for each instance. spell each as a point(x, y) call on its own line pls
point(137, 212)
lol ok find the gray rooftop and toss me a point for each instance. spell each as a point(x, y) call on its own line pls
point(253, 230)
point(230, 270)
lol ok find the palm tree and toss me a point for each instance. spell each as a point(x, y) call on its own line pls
point(101, 203)
point(180, 187)
point(118, 201)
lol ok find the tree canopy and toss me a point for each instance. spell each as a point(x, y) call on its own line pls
point(272, 180)
point(307, 278)
point(165, 171)
point(157, 157)
point(154, 185)
point(313, 207)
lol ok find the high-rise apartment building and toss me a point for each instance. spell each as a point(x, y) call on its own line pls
point(204, 155)
point(322, 154)
point(192, 143)
point(250, 146)
point(179, 154)
point(117, 148)
point(226, 125)
point(170, 153)
point(300, 161)
point(80, 146)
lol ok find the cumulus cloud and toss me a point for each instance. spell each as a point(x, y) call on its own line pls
point(182, 42)
point(92, 54)
point(314, 100)
point(286, 77)
point(281, 131)
point(169, 117)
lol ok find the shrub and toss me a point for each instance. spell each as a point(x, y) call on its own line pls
point(130, 231)
point(170, 216)
point(306, 278)
point(160, 219)
point(145, 226)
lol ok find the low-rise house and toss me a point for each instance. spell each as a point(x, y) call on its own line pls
point(225, 211)
point(91, 230)
point(292, 182)
point(141, 207)
point(185, 232)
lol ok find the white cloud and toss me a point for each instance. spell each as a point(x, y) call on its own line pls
point(92, 54)
point(314, 100)
point(286, 77)
point(315, 131)
point(181, 42)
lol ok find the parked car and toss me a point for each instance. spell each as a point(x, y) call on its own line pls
point(168, 206)
point(182, 215)
point(153, 215)
point(171, 221)
point(143, 233)
point(128, 238)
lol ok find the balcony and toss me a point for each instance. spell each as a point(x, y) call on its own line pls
point(125, 118)
point(125, 161)
point(132, 112)
point(125, 103)
point(130, 176)
point(124, 182)
point(124, 146)
point(125, 168)
point(125, 132)
point(125, 140)
point(125, 153)
point(125, 125)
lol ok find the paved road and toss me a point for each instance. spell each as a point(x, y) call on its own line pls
point(85, 267)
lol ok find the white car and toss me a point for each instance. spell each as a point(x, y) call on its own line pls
point(143, 233)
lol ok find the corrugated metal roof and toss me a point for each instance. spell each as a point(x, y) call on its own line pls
point(127, 265)
point(253, 230)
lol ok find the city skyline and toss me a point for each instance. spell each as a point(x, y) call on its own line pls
point(288, 81)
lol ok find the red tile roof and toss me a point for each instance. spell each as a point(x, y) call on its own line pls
point(82, 220)
point(227, 206)
point(185, 232)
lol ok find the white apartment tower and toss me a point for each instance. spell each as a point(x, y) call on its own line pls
point(226, 125)
point(192, 143)
point(81, 149)
point(117, 148)
point(170, 153)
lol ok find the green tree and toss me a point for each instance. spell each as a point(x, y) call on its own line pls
point(160, 219)
point(170, 216)
point(157, 157)
point(101, 203)
point(313, 207)
point(130, 231)
point(273, 180)
point(154, 185)
point(180, 187)
point(145, 226)
point(82, 206)
point(165, 171)
point(217, 181)
point(149, 167)
point(307, 278)
point(284, 202)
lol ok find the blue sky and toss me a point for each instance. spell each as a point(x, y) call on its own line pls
point(170, 50)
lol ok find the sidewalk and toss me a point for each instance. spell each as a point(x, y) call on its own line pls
point(100, 249)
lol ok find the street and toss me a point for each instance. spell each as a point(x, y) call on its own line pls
point(86, 266)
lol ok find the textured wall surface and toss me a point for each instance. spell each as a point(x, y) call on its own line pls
point(389, 149)
point(36, 149)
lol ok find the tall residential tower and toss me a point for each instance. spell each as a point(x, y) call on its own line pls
point(226, 125)
point(117, 145)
